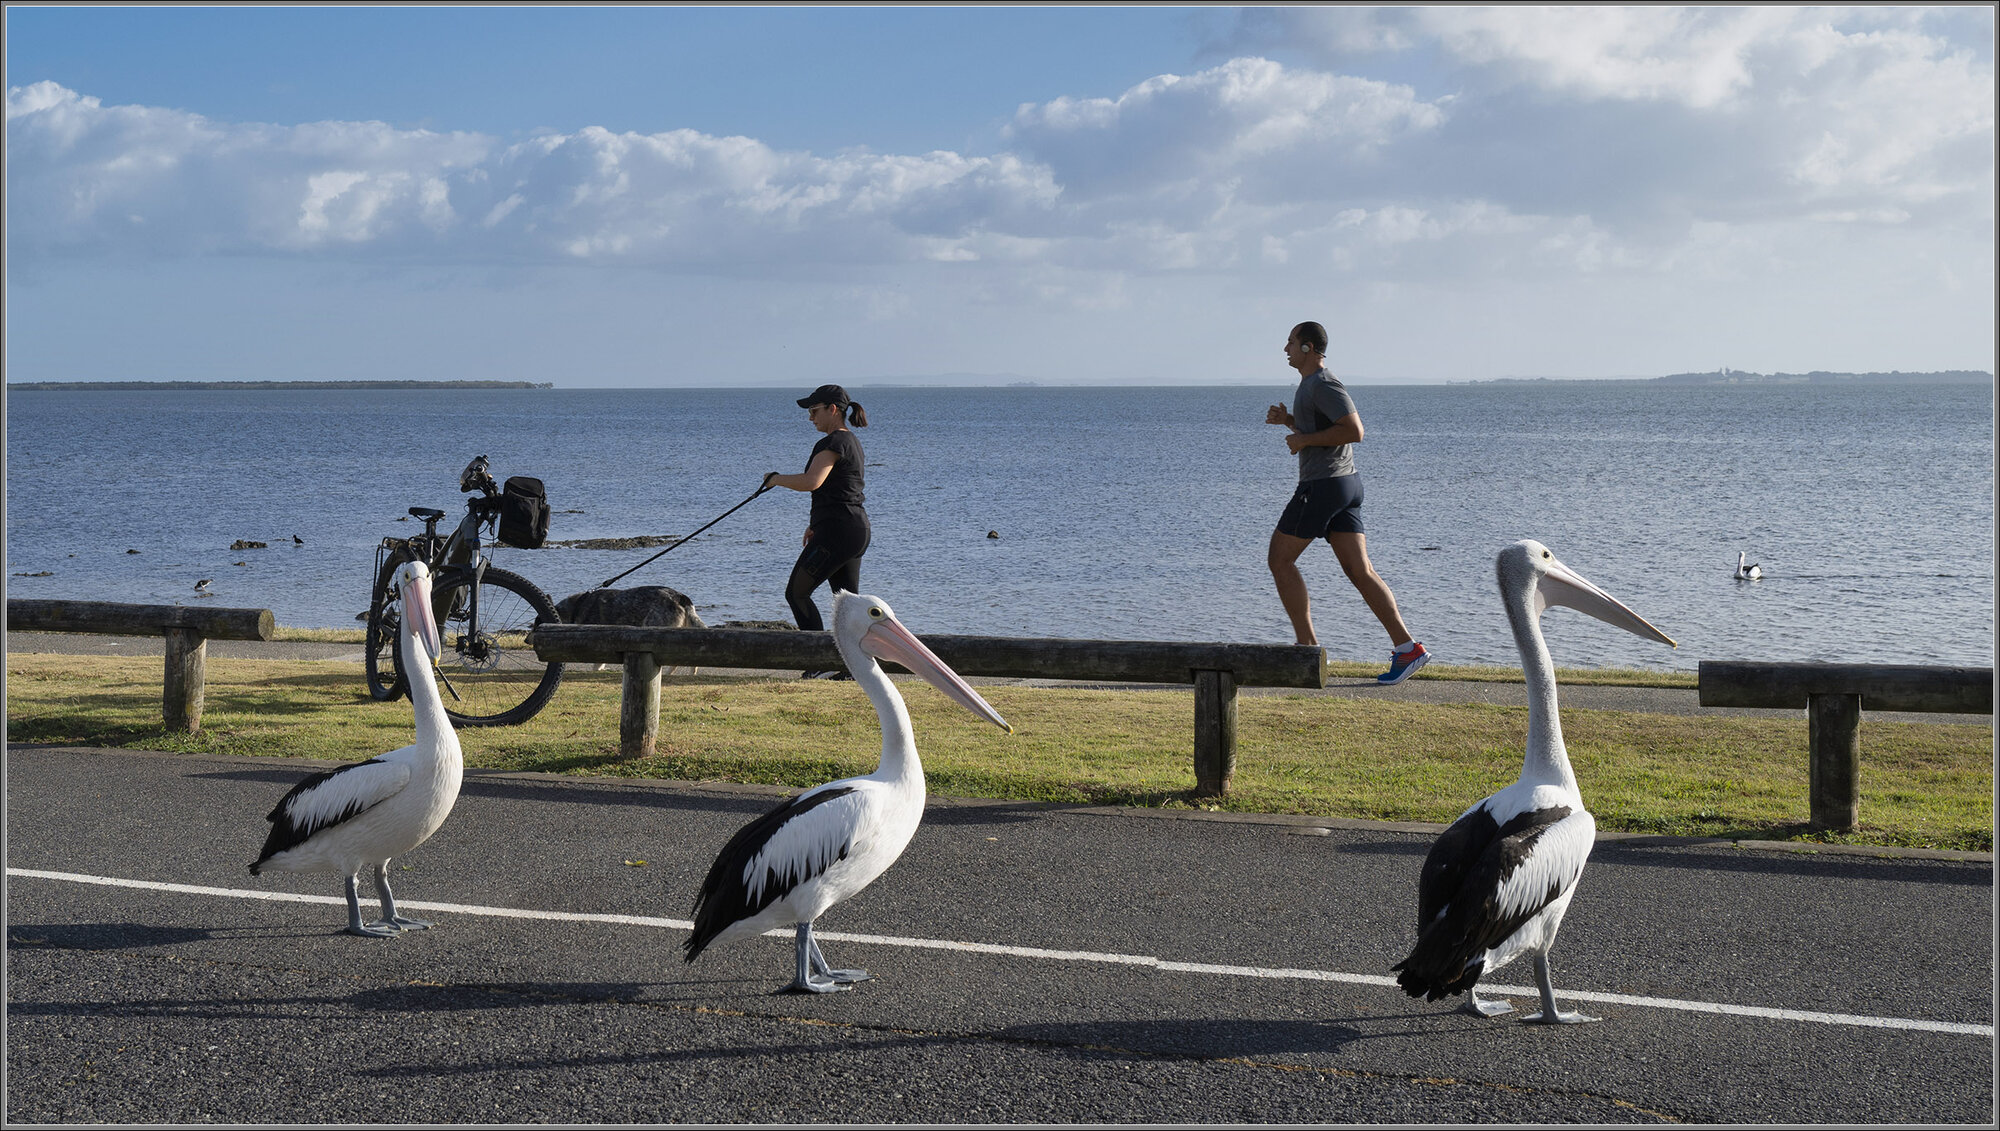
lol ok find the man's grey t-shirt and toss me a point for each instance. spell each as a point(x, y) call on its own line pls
point(1320, 401)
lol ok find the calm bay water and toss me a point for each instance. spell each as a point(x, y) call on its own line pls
point(1121, 513)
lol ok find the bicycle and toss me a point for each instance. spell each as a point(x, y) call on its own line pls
point(491, 674)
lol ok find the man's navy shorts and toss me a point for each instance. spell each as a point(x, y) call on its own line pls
point(1323, 506)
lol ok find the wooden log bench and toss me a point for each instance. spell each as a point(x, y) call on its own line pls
point(1833, 696)
point(1215, 671)
point(187, 630)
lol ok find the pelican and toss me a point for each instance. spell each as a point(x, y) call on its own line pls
point(1496, 884)
point(359, 815)
point(789, 866)
point(1749, 572)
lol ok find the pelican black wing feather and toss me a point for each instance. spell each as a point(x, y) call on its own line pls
point(294, 819)
point(728, 897)
point(1460, 915)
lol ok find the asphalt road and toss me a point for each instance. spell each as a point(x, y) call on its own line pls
point(1036, 964)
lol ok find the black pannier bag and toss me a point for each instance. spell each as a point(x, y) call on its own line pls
point(524, 513)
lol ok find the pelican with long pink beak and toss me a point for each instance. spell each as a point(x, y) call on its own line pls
point(1497, 882)
point(786, 868)
point(361, 815)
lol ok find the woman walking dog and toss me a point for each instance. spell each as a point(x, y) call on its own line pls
point(837, 531)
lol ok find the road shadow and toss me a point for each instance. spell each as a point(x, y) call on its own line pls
point(136, 936)
point(100, 936)
point(1712, 855)
point(1678, 855)
point(1414, 847)
point(1199, 1038)
point(1172, 1038)
point(423, 998)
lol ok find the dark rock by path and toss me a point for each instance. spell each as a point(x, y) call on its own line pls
point(646, 605)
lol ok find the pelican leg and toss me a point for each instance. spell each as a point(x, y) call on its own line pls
point(819, 966)
point(354, 927)
point(390, 919)
point(805, 983)
point(1484, 1008)
point(1550, 1015)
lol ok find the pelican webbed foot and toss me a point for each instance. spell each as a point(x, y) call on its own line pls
point(818, 966)
point(1561, 1018)
point(814, 986)
point(354, 924)
point(814, 975)
point(390, 917)
point(1549, 1014)
point(1484, 1008)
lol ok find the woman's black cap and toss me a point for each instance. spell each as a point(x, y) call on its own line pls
point(826, 394)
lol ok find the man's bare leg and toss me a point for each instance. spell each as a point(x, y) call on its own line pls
point(1352, 551)
point(1284, 562)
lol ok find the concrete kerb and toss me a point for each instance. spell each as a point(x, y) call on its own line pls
point(1289, 823)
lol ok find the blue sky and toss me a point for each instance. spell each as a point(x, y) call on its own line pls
point(712, 196)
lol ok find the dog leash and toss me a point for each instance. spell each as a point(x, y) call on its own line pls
point(649, 561)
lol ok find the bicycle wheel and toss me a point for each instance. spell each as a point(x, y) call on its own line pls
point(491, 676)
point(380, 661)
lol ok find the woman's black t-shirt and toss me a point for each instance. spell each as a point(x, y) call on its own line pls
point(842, 490)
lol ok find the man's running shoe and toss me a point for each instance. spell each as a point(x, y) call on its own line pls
point(1403, 665)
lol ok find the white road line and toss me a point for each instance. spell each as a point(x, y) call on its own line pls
point(1160, 964)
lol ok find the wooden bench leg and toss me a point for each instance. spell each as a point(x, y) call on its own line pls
point(187, 677)
point(639, 706)
point(1833, 723)
point(1214, 731)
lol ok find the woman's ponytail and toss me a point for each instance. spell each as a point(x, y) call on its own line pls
point(856, 415)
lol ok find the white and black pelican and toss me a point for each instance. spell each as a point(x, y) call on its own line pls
point(1750, 572)
point(1496, 884)
point(363, 814)
point(822, 846)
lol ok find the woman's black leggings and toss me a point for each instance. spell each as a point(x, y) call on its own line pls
point(834, 555)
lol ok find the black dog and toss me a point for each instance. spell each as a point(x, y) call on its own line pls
point(648, 606)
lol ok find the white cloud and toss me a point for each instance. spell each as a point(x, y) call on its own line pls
point(1752, 110)
point(79, 172)
point(1554, 142)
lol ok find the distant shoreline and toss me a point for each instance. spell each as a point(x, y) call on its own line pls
point(1744, 377)
point(281, 386)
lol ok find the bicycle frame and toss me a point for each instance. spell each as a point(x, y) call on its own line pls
point(460, 553)
point(463, 552)
point(484, 614)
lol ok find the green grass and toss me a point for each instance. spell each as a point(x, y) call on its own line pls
point(321, 635)
point(1923, 785)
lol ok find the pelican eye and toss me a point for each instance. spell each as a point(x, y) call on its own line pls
point(876, 612)
point(1546, 554)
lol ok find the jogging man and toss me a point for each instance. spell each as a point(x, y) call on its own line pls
point(1324, 428)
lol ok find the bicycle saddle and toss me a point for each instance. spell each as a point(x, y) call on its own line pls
point(426, 513)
